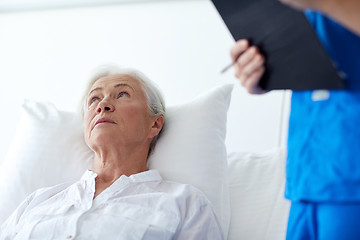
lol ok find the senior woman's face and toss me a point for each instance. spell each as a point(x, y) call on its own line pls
point(116, 113)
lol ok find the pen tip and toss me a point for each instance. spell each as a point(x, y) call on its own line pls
point(225, 69)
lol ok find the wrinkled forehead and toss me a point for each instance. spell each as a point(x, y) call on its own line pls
point(111, 81)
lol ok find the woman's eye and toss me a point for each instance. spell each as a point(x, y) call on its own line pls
point(94, 99)
point(123, 94)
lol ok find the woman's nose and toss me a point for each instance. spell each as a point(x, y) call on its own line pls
point(105, 106)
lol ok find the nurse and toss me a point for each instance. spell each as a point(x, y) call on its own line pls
point(323, 164)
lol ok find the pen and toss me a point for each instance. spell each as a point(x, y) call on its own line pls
point(230, 65)
point(227, 67)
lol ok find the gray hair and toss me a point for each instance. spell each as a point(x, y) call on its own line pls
point(155, 100)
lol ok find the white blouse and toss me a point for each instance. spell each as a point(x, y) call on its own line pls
point(142, 206)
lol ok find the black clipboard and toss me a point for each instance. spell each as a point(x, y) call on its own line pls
point(295, 58)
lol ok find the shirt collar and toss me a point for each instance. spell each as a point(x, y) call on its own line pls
point(147, 176)
point(88, 174)
point(88, 180)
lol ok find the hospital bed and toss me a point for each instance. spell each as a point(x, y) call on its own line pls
point(233, 147)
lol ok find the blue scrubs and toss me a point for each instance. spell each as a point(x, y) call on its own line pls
point(323, 164)
point(321, 221)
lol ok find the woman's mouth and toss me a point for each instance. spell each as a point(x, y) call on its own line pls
point(104, 120)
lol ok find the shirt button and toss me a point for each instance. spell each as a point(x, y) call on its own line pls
point(69, 237)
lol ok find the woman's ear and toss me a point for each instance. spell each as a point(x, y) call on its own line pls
point(158, 123)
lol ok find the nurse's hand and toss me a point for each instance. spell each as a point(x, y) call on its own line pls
point(248, 65)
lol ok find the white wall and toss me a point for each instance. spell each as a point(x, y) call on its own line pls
point(182, 45)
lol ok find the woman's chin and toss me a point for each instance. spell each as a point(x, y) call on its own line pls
point(103, 138)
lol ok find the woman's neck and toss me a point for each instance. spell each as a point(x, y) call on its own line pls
point(111, 165)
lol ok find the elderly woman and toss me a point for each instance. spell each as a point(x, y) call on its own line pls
point(119, 198)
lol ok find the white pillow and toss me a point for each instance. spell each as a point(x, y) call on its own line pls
point(49, 148)
point(256, 183)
